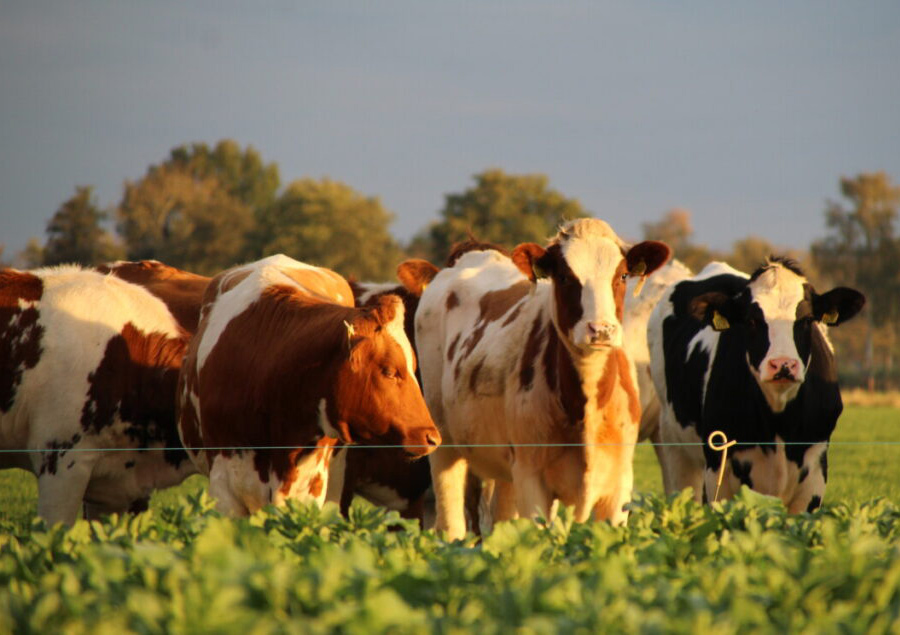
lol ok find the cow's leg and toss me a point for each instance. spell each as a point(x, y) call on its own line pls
point(448, 472)
point(612, 507)
point(227, 502)
point(655, 438)
point(60, 494)
point(532, 497)
point(810, 490)
point(339, 490)
point(682, 465)
point(505, 507)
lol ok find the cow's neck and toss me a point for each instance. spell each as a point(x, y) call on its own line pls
point(584, 382)
point(597, 391)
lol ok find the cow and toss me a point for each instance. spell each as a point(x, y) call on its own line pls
point(639, 304)
point(387, 476)
point(522, 363)
point(283, 370)
point(88, 369)
point(750, 356)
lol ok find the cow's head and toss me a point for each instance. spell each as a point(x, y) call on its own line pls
point(376, 397)
point(589, 267)
point(777, 316)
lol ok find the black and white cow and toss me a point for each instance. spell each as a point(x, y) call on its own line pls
point(750, 356)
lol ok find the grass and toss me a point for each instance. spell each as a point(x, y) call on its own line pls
point(859, 469)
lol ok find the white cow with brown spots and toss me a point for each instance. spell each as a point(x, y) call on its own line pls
point(88, 368)
point(282, 371)
point(523, 357)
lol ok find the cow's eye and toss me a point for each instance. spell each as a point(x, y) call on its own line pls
point(390, 373)
point(624, 277)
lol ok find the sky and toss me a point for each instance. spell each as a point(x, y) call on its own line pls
point(746, 114)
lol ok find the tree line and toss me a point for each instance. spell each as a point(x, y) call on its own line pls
point(205, 208)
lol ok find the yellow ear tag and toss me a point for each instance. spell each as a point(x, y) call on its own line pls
point(639, 269)
point(831, 317)
point(639, 286)
point(719, 322)
point(350, 333)
point(424, 286)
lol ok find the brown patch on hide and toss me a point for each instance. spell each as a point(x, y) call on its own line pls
point(136, 380)
point(530, 353)
point(181, 291)
point(493, 305)
point(20, 333)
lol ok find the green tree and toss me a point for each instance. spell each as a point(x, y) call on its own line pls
point(501, 208)
point(75, 235)
point(675, 229)
point(184, 220)
point(862, 250)
point(241, 172)
point(329, 224)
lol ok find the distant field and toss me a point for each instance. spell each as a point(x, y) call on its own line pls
point(857, 471)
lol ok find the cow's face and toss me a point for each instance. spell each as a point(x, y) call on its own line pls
point(776, 316)
point(589, 267)
point(377, 398)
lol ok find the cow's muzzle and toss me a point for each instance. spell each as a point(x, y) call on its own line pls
point(422, 442)
point(784, 370)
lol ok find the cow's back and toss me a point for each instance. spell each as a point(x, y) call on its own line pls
point(181, 291)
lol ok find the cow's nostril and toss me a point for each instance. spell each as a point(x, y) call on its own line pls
point(432, 439)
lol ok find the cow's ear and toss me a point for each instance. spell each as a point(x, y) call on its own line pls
point(838, 305)
point(415, 274)
point(530, 259)
point(646, 257)
point(388, 308)
point(714, 309)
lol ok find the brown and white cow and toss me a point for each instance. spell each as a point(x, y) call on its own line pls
point(88, 363)
point(387, 476)
point(532, 371)
point(283, 369)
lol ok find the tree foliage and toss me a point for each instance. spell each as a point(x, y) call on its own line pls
point(329, 224)
point(183, 220)
point(502, 208)
point(75, 235)
point(862, 250)
point(241, 172)
point(675, 229)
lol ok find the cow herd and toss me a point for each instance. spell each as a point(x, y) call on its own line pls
point(538, 371)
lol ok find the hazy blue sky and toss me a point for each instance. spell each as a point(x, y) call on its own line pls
point(746, 113)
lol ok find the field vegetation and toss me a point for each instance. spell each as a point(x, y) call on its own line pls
point(676, 567)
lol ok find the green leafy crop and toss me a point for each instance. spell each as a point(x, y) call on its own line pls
point(678, 566)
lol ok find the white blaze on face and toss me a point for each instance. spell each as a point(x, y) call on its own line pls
point(594, 260)
point(778, 291)
point(395, 329)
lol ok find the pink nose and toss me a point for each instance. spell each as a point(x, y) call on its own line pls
point(784, 368)
point(601, 331)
